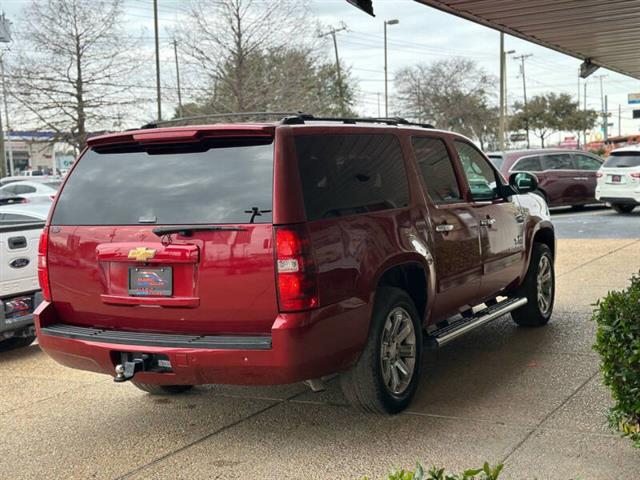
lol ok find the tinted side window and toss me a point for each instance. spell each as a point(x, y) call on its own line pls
point(20, 189)
point(562, 161)
point(480, 175)
point(530, 164)
point(349, 174)
point(436, 169)
point(584, 162)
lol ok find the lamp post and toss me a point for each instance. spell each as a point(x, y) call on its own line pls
point(386, 88)
point(503, 93)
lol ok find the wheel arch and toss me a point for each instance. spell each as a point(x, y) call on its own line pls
point(411, 274)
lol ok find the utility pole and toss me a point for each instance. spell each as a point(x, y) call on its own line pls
point(522, 58)
point(175, 51)
point(605, 116)
point(386, 82)
point(585, 109)
point(619, 120)
point(603, 108)
point(333, 32)
point(155, 27)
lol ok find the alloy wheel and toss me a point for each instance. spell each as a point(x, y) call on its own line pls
point(545, 285)
point(398, 351)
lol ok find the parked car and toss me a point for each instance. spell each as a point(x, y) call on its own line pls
point(279, 252)
point(619, 179)
point(22, 178)
point(19, 290)
point(17, 213)
point(32, 191)
point(566, 177)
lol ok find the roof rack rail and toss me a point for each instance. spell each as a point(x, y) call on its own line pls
point(301, 118)
point(216, 116)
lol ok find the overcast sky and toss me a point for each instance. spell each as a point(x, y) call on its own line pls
point(423, 35)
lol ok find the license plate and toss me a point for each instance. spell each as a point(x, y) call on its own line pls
point(17, 307)
point(616, 178)
point(150, 281)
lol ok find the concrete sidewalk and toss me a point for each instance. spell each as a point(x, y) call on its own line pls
point(530, 398)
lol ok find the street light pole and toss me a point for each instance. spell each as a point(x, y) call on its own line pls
point(503, 93)
point(386, 85)
point(155, 27)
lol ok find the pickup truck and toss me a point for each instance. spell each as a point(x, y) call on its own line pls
point(19, 290)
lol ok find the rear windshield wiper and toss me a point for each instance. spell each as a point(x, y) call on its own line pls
point(187, 230)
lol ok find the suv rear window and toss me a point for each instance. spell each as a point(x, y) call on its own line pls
point(625, 160)
point(349, 174)
point(213, 182)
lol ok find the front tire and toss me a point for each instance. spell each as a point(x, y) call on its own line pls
point(623, 208)
point(538, 288)
point(385, 378)
point(162, 389)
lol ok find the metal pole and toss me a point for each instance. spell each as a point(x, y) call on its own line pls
point(378, 104)
point(502, 99)
point(605, 123)
point(155, 27)
point(619, 120)
point(175, 51)
point(6, 116)
point(386, 88)
point(585, 109)
point(339, 73)
point(524, 90)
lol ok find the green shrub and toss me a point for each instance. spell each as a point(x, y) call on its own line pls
point(618, 343)
point(484, 473)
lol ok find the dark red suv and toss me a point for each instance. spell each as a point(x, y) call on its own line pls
point(566, 177)
point(279, 252)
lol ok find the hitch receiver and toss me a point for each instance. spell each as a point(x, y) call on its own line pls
point(132, 363)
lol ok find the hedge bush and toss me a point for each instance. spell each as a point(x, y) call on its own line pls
point(484, 473)
point(618, 343)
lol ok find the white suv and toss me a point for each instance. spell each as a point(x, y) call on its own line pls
point(619, 179)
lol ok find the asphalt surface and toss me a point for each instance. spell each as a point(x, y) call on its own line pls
point(530, 398)
point(596, 222)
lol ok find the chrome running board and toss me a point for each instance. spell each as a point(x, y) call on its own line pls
point(458, 326)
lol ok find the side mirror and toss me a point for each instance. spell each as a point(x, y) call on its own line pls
point(523, 182)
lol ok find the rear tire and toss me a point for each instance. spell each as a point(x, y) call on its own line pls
point(16, 342)
point(623, 208)
point(162, 389)
point(538, 288)
point(385, 378)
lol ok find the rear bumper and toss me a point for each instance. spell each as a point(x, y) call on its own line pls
point(303, 346)
point(629, 194)
point(22, 325)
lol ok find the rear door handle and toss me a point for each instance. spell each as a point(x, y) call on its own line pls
point(487, 222)
point(444, 227)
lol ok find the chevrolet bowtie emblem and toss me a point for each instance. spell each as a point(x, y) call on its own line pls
point(141, 254)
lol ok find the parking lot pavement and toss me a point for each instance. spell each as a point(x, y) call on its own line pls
point(531, 398)
point(596, 222)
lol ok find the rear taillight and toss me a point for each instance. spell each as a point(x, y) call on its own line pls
point(635, 175)
point(296, 269)
point(599, 175)
point(43, 270)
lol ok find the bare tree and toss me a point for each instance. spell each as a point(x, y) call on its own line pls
point(258, 56)
point(74, 66)
point(454, 94)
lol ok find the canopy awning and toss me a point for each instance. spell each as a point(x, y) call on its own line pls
point(605, 33)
